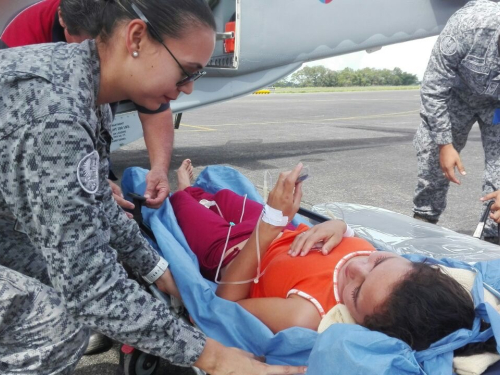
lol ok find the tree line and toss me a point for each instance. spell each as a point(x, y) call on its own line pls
point(320, 76)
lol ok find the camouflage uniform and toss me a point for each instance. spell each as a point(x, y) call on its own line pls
point(460, 87)
point(54, 148)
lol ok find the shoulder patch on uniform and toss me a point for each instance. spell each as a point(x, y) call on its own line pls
point(448, 45)
point(88, 172)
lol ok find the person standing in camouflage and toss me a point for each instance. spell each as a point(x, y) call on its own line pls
point(56, 208)
point(460, 87)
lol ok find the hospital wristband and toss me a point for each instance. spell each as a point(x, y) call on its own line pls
point(159, 270)
point(274, 217)
point(349, 232)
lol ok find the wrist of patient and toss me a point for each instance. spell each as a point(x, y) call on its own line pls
point(349, 232)
point(274, 217)
point(266, 229)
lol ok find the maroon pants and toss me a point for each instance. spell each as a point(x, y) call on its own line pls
point(206, 230)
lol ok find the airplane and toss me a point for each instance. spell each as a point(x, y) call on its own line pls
point(262, 41)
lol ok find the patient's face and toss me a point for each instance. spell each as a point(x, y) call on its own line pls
point(365, 282)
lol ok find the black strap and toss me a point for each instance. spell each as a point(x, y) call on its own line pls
point(138, 201)
point(312, 215)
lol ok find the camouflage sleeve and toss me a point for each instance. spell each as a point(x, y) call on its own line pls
point(125, 235)
point(439, 78)
point(64, 213)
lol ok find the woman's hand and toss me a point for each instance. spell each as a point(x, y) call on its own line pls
point(449, 159)
point(328, 234)
point(217, 359)
point(286, 194)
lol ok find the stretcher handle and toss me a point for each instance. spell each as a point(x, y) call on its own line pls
point(478, 233)
point(312, 215)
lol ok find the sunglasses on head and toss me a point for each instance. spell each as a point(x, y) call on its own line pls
point(190, 77)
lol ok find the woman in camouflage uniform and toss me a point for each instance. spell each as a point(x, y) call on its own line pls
point(56, 208)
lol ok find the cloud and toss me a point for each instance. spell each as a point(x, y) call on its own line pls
point(411, 57)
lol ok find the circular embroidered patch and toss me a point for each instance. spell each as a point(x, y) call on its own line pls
point(448, 45)
point(88, 172)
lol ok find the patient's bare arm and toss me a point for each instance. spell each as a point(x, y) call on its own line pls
point(244, 266)
point(282, 313)
point(285, 196)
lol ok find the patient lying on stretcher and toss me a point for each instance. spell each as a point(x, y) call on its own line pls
point(302, 273)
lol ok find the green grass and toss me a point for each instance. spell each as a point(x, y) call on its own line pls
point(308, 90)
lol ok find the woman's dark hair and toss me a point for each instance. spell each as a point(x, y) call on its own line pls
point(424, 307)
point(171, 18)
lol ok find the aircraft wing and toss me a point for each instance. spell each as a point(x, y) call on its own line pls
point(273, 38)
point(261, 41)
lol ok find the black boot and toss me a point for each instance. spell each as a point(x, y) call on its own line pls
point(98, 343)
point(425, 219)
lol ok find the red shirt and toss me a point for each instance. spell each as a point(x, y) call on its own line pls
point(38, 23)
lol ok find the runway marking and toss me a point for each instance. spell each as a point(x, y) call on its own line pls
point(360, 100)
point(373, 116)
point(201, 128)
point(394, 114)
point(205, 128)
point(271, 101)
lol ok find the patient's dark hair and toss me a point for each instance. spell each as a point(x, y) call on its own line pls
point(426, 306)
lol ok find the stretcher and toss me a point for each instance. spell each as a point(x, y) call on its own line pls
point(333, 351)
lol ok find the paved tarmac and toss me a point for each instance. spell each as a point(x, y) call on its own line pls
point(358, 146)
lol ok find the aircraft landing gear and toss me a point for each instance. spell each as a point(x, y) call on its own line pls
point(177, 121)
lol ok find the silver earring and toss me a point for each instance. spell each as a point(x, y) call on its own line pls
point(135, 54)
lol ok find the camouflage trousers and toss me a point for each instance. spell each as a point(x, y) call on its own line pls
point(432, 187)
point(37, 336)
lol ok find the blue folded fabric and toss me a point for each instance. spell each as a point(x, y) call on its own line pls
point(219, 319)
point(341, 349)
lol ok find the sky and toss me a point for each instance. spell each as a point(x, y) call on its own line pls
point(411, 57)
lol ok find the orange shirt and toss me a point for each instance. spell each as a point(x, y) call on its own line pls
point(310, 276)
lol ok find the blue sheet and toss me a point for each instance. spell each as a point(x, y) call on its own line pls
point(341, 349)
point(216, 317)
